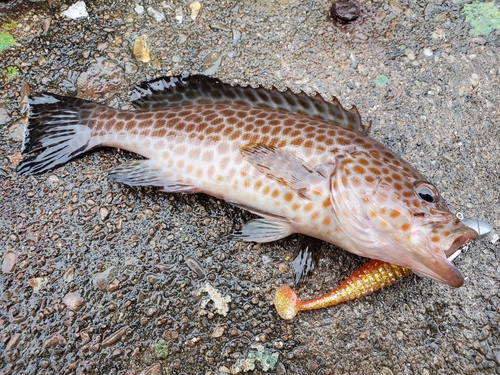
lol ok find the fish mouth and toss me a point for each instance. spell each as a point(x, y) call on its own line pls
point(466, 235)
point(438, 267)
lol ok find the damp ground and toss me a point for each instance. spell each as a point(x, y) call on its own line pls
point(99, 278)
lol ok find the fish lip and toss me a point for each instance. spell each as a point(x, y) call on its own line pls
point(467, 235)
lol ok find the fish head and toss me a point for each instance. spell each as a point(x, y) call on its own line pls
point(393, 214)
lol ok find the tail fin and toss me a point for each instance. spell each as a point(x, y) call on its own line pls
point(55, 128)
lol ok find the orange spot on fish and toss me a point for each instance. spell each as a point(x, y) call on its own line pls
point(308, 207)
point(235, 135)
point(394, 214)
point(288, 197)
point(295, 206)
point(374, 170)
point(383, 211)
point(308, 144)
point(257, 185)
point(446, 233)
point(119, 126)
point(344, 180)
point(408, 194)
point(363, 162)
point(416, 204)
point(326, 203)
point(405, 227)
point(359, 169)
point(246, 184)
point(326, 221)
point(435, 239)
point(266, 189)
point(275, 193)
point(315, 216)
point(373, 213)
point(369, 179)
point(397, 177)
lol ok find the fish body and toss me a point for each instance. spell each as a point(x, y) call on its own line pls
point(303, 164)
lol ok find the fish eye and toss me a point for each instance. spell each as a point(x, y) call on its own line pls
point(426, 191)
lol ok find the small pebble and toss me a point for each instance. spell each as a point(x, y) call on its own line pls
point(14, 340)
point(46, 24)
point(195, 7)
point(139, 9)
point(54, 340)
point(211, 63)
point(77, 10)
point(236, 36)
point(140, 50)
point(345, 11)
point(179, 16)
point(218, 332)
point(156, 14)
point(113, 285)
point(114, 337)
point(9, 262)
point(69, 275)
point(195, 266)
point(37, 283)
point(101, 280)
point(73, 300)
point(104, 213)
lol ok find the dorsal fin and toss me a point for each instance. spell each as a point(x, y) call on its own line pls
point(199, 89)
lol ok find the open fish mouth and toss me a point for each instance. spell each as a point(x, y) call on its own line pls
point(466, 235)
point(442, 268)
point(436, 265)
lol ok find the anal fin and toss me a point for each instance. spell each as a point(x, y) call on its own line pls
point(151, 173)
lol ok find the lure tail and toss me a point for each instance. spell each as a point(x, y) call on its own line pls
point(59, 129)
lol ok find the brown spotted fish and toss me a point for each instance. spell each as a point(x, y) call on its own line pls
point(304, 165)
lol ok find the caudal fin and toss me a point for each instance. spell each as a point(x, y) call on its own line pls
point(57, 129)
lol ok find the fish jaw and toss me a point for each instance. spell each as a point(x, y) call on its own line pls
point(434, 263)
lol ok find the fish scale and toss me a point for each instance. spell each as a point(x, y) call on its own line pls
point(303, 164)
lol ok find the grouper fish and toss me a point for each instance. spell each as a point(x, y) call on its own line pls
point(303, 164)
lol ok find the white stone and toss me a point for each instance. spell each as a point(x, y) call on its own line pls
point(77, 10)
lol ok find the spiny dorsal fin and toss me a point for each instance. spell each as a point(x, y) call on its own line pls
point(199, 89)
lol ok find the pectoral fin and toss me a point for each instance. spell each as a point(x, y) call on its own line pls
point(284, 167)
point(151, 173)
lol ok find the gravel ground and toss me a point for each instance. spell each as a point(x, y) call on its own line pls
point(99, 278)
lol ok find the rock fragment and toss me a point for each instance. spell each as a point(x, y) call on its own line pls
point(140, 50)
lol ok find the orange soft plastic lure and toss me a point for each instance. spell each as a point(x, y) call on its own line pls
point(372, 276)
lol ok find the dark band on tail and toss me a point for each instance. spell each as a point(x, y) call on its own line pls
point(55, 130)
